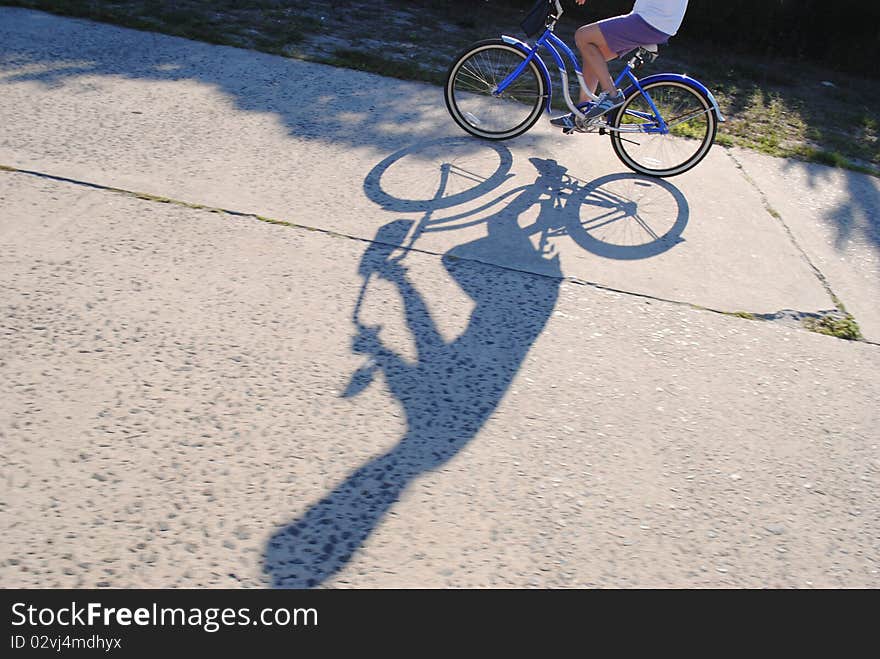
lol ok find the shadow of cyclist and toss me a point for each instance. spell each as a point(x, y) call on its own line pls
point(447, 394)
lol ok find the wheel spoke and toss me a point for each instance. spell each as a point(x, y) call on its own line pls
point(471, 97)
point(689, 120)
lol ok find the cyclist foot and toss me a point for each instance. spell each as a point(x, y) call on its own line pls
point(568, 122)
point(605, 104)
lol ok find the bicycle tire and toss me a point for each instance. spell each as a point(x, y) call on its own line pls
point(645, 153)
point(472, 79)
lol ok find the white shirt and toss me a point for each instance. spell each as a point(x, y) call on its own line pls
point(664, 15)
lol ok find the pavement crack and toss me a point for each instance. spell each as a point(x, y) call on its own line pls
point(778, 216)
point(822, 321)
point(146, 196)
point(837, 322)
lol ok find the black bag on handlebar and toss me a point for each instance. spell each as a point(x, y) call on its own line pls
point(536, 20)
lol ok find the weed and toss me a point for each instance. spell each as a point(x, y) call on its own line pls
point(842, 328)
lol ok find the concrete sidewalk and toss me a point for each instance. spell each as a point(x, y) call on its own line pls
point(304, 143)
point(189, 397)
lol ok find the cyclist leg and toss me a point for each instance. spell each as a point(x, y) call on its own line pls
point(606, 40)
point(595, 55)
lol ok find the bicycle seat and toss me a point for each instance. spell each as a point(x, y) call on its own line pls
point(640, 56)
point(653, 48)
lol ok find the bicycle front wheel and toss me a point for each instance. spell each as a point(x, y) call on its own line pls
point(472, 96)
point(639, 142)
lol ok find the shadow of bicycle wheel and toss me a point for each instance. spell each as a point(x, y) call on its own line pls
point(463, 167)
point(627, 216)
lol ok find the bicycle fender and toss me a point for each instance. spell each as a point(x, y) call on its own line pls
point(687, 80)
point(525, 48)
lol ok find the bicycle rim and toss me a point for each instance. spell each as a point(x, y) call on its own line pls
point(692, 126)
point(472, 82)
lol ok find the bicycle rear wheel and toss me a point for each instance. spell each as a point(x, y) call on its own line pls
point(643, 148)
point(471, 86)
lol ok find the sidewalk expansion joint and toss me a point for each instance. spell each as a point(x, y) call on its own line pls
point(836, 322)
point(822, 321)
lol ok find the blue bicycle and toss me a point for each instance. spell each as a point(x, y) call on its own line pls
point(498, 88)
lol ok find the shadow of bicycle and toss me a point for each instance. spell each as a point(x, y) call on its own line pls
point(619, 216)
point(447, 393)
point(454, 385)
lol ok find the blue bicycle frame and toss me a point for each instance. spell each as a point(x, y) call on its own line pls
point(553, 45)
point(654, 123)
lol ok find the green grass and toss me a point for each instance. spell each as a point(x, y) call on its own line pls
point(842, 328)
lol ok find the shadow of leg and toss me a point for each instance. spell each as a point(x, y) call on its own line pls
point(312, 549)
